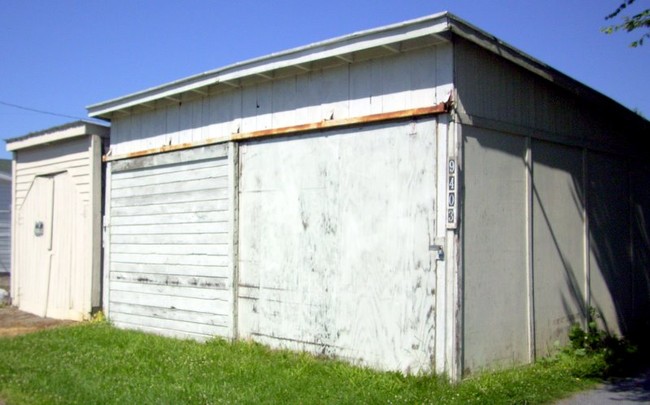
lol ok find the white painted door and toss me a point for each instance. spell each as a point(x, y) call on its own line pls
point(170, 244)
point(34, 246)
point(49, 248)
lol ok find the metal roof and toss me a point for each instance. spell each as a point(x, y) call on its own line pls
point(391, 39)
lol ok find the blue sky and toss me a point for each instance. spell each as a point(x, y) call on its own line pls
point(62, 55)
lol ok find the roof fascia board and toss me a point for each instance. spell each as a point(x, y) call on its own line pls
point(489, 42)
point(55, 135)
point(378, 37)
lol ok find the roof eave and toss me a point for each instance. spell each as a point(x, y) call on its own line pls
point(338, 50)
point(58, 133)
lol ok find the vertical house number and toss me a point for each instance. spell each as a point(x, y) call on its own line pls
point(452, 185)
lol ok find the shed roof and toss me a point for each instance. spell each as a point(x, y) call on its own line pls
point(390, 39)
point(58, 133)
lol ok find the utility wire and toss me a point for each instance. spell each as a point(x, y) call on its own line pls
point(40, 111)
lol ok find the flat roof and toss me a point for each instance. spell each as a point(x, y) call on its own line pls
point(58, 133)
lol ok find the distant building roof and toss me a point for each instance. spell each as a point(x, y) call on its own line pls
point(65, 131)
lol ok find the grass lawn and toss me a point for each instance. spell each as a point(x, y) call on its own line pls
point(94, 363)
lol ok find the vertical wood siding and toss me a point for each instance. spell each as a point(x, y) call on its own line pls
point(407, 80)
point(170, 241)
point(334, 244)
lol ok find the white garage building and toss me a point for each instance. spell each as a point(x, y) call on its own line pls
point(415, 197)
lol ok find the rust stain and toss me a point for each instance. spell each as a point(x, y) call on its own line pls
point(291, 130)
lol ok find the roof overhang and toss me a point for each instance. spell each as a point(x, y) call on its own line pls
point(375, 43)
point(58, 133)
point(426, 31)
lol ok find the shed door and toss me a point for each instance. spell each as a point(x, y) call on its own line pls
point(170, 244)
point(50, 229)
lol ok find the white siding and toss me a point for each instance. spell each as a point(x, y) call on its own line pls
point(71, 156)
point(170, 269)
point(334, 248)
point(54, 272)
point(407, 80)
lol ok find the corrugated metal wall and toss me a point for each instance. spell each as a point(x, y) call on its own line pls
point(171, 244)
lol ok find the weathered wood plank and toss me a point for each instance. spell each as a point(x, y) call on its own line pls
point(198, 328)
point(162, 332)
point(208, 306)
point(187, 228)
point(157, 160)
point(169, 188)
point(172, 269)
point(176, 239)
point(147, 172)
point(173, 314)
point(198, 195)
point(186, 249)
point(174, 218)
point(175, 280)
point(170, 208)
point(192, 260)
point(171, 177)
point(144, 287)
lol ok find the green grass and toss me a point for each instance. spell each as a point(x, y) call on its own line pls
point(94, 363)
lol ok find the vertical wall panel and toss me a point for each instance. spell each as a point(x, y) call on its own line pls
point(334, 244)
point(494, 243)
point(558, 243)
point(609, 231)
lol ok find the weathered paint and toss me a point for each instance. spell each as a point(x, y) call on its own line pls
point(170, 254)
point(408, 81)
point(57, 186)
point(497, 289)
point(296, 129)
point(335, 244)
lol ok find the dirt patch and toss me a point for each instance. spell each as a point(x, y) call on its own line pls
point(14, 322)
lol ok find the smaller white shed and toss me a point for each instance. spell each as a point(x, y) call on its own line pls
point(56, 230)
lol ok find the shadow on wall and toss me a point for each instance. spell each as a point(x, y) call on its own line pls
point(616, 199)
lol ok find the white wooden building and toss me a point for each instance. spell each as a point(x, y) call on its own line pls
point(417, 197)
point(56, 230)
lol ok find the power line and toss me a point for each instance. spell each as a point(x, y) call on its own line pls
point(41, 111)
